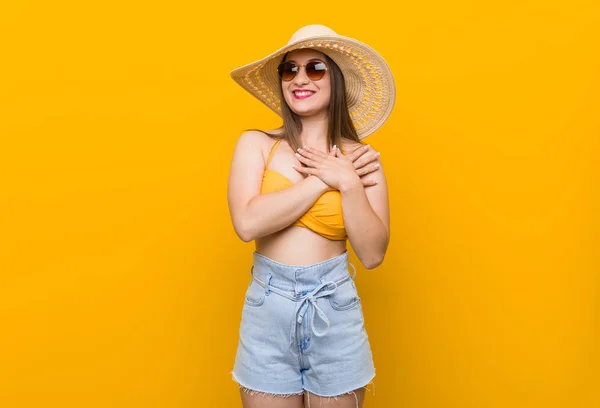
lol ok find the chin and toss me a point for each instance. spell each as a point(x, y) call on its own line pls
point(308, 111)
point(304, 113)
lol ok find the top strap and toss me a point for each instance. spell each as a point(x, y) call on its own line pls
point(273, 148)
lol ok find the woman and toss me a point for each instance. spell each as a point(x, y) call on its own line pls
point(296, 193)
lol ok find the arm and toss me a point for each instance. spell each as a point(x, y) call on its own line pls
point(256, 215)
point(367, 218)
point(365, 210)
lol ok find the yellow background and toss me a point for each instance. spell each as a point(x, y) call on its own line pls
point(122, 279)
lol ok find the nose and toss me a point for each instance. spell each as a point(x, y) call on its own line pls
point(301, 78)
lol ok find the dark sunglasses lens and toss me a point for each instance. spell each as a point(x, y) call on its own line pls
point(315, 70)
point(287, 71)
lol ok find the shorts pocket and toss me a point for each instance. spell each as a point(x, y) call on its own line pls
point(345, 296)
point(255, 294)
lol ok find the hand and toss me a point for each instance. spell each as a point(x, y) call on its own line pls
point(334, 169)
point(361, 161)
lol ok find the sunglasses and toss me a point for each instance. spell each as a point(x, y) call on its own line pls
point(315, 70)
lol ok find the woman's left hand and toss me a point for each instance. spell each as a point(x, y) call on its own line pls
point(334, 169)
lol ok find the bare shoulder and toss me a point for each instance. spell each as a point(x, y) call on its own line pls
point(255, 141)
point(253, 138)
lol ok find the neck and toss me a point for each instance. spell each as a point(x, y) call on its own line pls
point(314, 131)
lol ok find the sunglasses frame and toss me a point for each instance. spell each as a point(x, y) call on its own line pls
point(299, 66)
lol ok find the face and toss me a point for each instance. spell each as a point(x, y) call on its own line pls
point(316, 100)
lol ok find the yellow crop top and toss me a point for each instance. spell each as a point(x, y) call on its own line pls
point(324, 217)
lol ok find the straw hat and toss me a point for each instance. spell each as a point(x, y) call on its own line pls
point(370, 89)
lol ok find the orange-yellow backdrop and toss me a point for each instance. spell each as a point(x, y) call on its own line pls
point(122, 277)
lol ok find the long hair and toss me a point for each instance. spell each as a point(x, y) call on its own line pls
point(340, 123)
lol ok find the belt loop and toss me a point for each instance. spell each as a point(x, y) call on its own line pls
point(353, 267)
point(268, 283)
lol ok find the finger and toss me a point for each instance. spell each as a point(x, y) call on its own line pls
point(367, 169)
point(310, 153)
point(305, 160)
point(358, 152)
point(315, 152)
point(371, 168)
point(361, 171)
point(332, 151)
point(306, 170)
point(366, 159)
point(338, 152)
point(368, 183)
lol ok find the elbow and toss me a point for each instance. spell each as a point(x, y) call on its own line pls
point(377, 253)
point(245, 237)
point(373, 262)
point(244, 232)
point(375, 258)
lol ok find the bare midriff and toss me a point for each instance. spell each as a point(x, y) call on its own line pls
point(299, 246)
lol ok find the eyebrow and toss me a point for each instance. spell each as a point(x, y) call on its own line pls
point(312, 59)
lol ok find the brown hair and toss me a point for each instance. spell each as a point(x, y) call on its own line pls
point(340, 124)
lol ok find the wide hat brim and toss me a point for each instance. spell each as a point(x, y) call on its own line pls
point(370, 88)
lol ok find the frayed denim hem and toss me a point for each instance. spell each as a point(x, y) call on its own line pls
point(308, 392)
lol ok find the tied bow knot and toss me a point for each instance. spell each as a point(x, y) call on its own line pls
point(305, 301)
point(311, 300)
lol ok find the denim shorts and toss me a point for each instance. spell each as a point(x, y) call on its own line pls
point(302, 328)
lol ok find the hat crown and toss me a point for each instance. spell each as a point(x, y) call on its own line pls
point(312, 30)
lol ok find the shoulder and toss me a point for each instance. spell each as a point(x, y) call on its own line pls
point(254, 140)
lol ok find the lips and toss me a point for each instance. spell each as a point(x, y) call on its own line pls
point(302, 94)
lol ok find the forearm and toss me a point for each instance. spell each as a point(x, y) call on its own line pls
point(367, 234)
point(272, 212)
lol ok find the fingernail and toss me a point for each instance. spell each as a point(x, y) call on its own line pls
point(376, 165)
point(334, 147)
point(377, 154)
point(367, 147)
point(299, 149)
point(297, 155)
